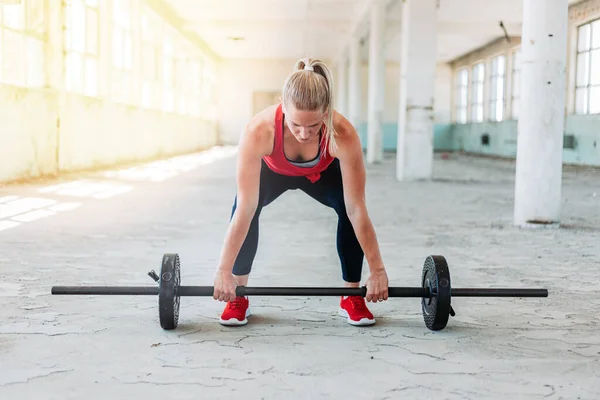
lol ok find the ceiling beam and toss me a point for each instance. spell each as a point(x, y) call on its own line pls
point(162, 8)
point(233, 28)
point(230, 27)
point(478, 28)
point(356, 31)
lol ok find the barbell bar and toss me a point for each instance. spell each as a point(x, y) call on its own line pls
point(435, 292)
point(296, 291)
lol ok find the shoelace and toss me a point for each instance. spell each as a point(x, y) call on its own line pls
point(358, 302)
point(237, 303)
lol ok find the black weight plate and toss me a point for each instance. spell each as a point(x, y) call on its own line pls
point(168, 292)
point(436, 277)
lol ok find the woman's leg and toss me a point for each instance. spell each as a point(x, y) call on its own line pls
point(272, 185)
point(329, 190)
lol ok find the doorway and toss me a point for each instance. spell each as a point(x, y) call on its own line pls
point(262, 100)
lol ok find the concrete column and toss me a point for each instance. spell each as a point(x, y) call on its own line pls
point(54, 71)
point(417, 90)
point(541, 117)
point(342, 86)
point(105, 9)
point(135, 97)
point(54, 46)
point(376, 83)
point(355, 84)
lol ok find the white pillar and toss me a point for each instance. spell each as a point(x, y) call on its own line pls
point(355, 84)
point(376, 83)
point(54, 74)
point(342, 86)
point(417, 90)
point(541, 116)
point(54, 48)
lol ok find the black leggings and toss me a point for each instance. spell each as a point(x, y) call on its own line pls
point(328, 191)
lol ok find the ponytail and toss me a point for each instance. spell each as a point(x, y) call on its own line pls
point(310, 88)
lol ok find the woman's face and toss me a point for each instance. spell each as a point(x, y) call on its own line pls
point(304, 125)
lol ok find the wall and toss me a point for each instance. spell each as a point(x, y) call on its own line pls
point(238, 79)
point(28, 132)
point(442, 134)
point(117, 133)
point(582, 139)
point(501, 138)
point(46, 128)
point(585, 130)
point(43, 132)
point(581, 132)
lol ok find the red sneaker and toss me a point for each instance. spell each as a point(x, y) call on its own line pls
point(236, 312)
point(354, 308)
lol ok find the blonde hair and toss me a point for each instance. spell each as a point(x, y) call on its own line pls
point(310, 88)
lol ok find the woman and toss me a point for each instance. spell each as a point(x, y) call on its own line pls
point(302, 143)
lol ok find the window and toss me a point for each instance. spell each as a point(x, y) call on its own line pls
point(187, 79)
point(209, 108)
point(478, 78)
point(587, 86)
point(195, 88)
point(168, 71)
point(497, 78)
point(462, 95)
point(181, 82)
point(152, 27)
point(22, 32)
point(516, 84)
point(81, 46)
point(122, 52)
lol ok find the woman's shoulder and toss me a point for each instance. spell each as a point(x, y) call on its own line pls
point(346, 135)
point(260, 130)
point(342, 125)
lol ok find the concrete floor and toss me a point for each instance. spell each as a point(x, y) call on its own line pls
point(98, 347)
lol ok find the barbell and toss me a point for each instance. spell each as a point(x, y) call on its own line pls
point(435, 291)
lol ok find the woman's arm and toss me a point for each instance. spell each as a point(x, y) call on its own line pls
point(252, 146)
point(352, 165)
point(250, 152)
point(350, 154)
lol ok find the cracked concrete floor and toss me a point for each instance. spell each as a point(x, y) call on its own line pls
point(97, 347)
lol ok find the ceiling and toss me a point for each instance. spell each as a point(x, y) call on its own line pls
point(266, 29)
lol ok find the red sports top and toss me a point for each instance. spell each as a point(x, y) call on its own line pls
point(278, 162)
